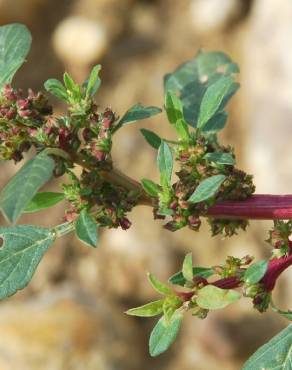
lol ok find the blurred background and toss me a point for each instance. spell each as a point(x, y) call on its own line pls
point(71, 315)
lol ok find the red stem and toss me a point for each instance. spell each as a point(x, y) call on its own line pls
point(275, 268)
point(258, 206)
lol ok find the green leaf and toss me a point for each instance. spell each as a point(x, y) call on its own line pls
point(216, 123)
point(178, 278)
point(276, 354)
point(164, 334)
point(182, 130)
point(43, 200)
point(158, 285)
point(191, 80)
point(23, 186)
point(73, 89)
point(15, 41)
point(153, 139)
point(170, 305)
point(173, 107)
point(187, 268)
point(21, 251)
point(150, 187)
point(56, 88)
point(220, 158)
point(86, 229)
point(207, 188)
point(136, 113)
point(212, 298)
point(147, 310)
point(94, 81)
point(165, 161)
point(255, 272)
point(213, 98)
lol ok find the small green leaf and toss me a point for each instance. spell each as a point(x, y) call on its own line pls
point(212, 298)
point(21, 251)
point(165, 161)
point(220, 158)
point(170, 305)
point(56, 88)
point(15, 41)
point(158, 286)
point(182, 130)
point(216, 123)
point(136, 113)
point(213, 98)
point(43, 200)
point(68, 81)
point(207, 188)
point(152, 139)
point(255, 272)
point(164, 334)
point(86, 229)
point(94, 81)
point(178, 278)
point(150, 187)
point(173, 107)
point(192, 79)
point(147, 310)
point(73, 89)
point(23, 186)
point(187, 268)
point(276, 354)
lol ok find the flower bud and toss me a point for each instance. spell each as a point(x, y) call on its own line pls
point(125, 223)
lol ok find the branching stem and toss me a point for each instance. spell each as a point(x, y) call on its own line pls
point(256, 207)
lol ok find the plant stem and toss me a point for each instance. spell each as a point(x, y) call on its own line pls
point(257, 207)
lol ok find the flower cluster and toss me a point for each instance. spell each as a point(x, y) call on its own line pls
point(20, 117)
point(196, 165)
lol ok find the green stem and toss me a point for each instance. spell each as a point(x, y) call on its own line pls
point(64, 229)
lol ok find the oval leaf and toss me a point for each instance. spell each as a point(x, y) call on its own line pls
point(15, 41)
point(213, 98)
point(164, 334)
point(212, 298)
point(147, 310)
point(43, 200)
point(152, 139)
point(220, 158)
point(173, 107)
point(165, 161)
point(136, 113)
point(216, 123)
point(23, 186)
point(94, 81)
point(150, 187)
point(187, 268)
point(207, 188)
point(86, 229)
point(158, 286)
point(22, 249)
point(56, 88)
point(255, 272)
point(276, 354)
